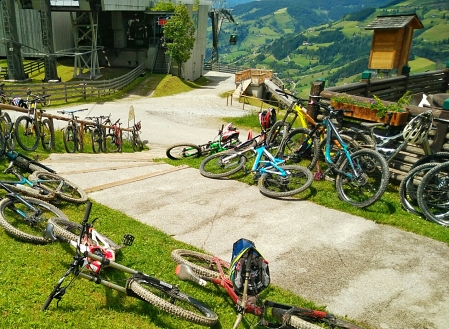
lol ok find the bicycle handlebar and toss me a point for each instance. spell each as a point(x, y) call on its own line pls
point(286, 94)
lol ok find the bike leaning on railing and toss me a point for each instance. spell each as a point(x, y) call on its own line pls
point(361, 176)
point(89, 265)
point(136, 141)
point(71, 134)
point(113, 139)
point(32, 127)
point(203, 268)
point(227, 137)
point(98, 133)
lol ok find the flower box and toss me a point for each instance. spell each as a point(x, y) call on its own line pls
point(399, 118)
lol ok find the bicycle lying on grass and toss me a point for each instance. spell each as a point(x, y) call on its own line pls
point(243, 280)
point(26, 218)
point(228, 137)
point(88, 264)
point(275, 179)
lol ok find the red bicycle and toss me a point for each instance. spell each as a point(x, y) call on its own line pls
point(113, 139)
point(202, 268)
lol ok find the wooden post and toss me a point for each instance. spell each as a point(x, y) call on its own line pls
point(315, 90)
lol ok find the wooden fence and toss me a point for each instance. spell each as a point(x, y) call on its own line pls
point(65, 91)
point(28, 68)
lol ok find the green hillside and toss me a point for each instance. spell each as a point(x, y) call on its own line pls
point(274, 36)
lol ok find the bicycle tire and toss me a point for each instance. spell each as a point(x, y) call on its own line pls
point(96, 140)
point(47, 134)
point(220, 165)
point(200, 263)
point(27, 133)
point(363, 139)
point(70, 139)
point(275, 186)
point(409, 186)
point(141, 288)
point(69, 230)
point(183, 151)
point(353, 146)
point(112, 143)
point(371, 185)
point(60, 186)
point(137, 143)
point(276, 134)
point(438, 157)
point(7, 128)
point(14, 224)
point(306, 321)
point(432, 194)
point(296, 152)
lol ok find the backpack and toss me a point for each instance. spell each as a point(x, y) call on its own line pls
point(244, 251)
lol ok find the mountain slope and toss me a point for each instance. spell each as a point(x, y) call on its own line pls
point(336, 50)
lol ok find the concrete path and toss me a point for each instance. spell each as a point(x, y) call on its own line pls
point(385, 277)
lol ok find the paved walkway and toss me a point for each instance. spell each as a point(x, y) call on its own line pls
point(388, 278)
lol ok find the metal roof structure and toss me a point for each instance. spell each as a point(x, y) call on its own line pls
point(395, 22)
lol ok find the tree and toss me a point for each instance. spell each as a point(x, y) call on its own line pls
point(179, 35)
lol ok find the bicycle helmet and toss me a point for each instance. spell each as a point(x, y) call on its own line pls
point(17, 101)
point(267, 118)
point(229, 132)
point(417, 129)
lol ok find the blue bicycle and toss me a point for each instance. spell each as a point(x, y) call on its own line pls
point(361, 176)
point(275, 179)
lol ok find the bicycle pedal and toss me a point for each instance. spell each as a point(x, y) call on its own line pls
point(128, 239)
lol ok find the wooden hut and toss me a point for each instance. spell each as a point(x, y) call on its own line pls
point(392, 41)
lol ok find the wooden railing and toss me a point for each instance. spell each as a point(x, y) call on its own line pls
point(67, 91)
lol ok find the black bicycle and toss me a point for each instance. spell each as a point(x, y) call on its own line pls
point(71, 134)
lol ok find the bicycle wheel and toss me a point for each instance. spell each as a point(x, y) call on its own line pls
point(221, 165)
point(6, 126)
point(276, 134)
point(438, 157)
point(409, 186)
point(371, 180)
point(303, 318)
point(71, 231)
point(137, 143)
point(27, 133)
point(61, 187)
point(112, 143)
point(182, 151)
point(300, 148)
point(276, 186)
point(164, 296)
point(70, 139)
point(203, 265)
point(47, 134)
point(96, 140)
point(25, 223)
point(433, 194)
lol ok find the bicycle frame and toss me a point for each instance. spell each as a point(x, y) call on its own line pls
point(267, 166)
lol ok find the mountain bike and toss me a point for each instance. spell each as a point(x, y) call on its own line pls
point(32, 127)
point(88, 264)
point(297, 111)
point(433, 192)
point(203, 268)
point(361, 176)
point(275, 179)
point(98, 133)
point(136, 142)
point(227, 137)
point(24, 217)
point(71, 134)
point(7, 131)
point(113, 138)
point(416, 132)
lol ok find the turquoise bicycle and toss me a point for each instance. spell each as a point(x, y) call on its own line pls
point(361, 176)
point(275, 179)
